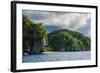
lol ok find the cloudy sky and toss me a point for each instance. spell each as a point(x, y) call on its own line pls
point(79, 22)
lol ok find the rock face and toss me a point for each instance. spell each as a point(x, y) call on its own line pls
point(32, 45)
point(38, 47)
point(35, 47)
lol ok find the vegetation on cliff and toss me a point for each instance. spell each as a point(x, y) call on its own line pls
point(33, 35)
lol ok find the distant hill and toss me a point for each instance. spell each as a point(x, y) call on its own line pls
point(51, 28)
point(68, 40)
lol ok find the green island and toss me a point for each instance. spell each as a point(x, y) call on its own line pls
point(37, 40)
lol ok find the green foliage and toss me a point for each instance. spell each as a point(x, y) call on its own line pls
point(33, 30)
point(40, 32)
point(48, 49)
point(67, 40)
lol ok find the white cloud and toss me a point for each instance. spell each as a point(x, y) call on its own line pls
point(73, 21)
point(67, 20)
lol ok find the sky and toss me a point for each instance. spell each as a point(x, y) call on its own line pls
point(55, 20)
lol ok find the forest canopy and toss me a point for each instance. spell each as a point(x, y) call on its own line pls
point(67, 40)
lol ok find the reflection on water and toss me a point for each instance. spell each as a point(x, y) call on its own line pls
point(57, 56)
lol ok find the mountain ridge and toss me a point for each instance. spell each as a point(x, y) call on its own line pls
point(68, 40)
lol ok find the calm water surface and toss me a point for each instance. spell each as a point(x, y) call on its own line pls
point(57, 56)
